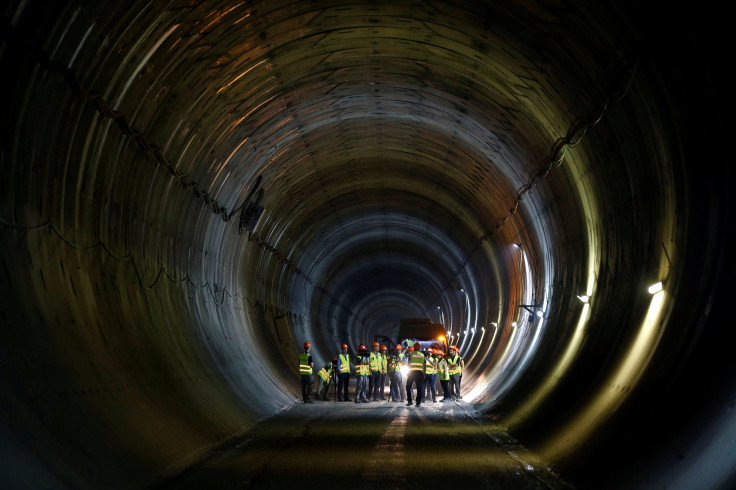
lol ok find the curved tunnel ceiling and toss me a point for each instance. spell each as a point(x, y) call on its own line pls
point(398, 152)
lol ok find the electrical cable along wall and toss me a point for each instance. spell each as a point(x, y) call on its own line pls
point(191, 191)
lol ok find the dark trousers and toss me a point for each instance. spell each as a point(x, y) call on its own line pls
point(307, 385)
point(414, 377)
point(343, 381)
point(374, 385)
point(455, 385)
point(445, 388)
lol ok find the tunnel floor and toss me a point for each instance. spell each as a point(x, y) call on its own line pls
point(380, 444)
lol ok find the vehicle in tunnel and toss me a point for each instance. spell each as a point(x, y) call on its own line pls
point(412, 330)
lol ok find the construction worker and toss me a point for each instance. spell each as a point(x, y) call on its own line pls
point(306, 364)
point(343, 377)
point(325, 376)
point(417, 364)
point(393, 367)
point(409, 350)
point(454, 365)
point(444, 374)
point(429, 386)
point(362, 371)
point(376, 363)
point(384, 372)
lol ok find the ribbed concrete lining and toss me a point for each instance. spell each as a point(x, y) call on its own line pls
point(402, 150)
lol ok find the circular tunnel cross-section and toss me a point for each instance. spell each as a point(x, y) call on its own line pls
point(192, 190)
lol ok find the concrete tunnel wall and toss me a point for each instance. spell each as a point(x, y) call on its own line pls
point(398, 150)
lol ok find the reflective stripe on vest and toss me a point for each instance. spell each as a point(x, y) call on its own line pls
point(416, 361)
point(442, 369)
point(431, 366)
point(344, 363)
point(362, 370)
point(375, 359)
point(384, 363)
point(304, 367)
point(453, 362)
point(394, 364)
point(325, 373)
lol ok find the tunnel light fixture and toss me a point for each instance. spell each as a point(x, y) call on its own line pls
point(494, 324)
point(517, 245)
point(514, 324)
point(655, 288)
point(584, 298)
point(540, 313)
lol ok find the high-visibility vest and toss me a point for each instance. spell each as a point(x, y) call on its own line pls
point(442, 368)
point(325, 373)
point(384, 363)
point(344, 363)
point(375, 359)
point(304, 367)
point(361, 367)
point(454, 364)
point(431, 366)
point(416, 361)
point(394, 364)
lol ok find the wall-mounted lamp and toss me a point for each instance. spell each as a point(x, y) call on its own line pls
point(584, 298)
point(540, 313)
point(655, 288)
point(514, 324)
point(517, 245)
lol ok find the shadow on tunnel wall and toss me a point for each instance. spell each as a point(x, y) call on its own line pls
point(146, 317)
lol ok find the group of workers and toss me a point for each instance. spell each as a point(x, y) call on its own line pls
point(423, 366)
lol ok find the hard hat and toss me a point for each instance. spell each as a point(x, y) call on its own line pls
point(398, 347)
point(417, 346)
point(361, 347)
point(452, 347)
point(307, 345)
point(383, 347)
point(410, 349)
point(344, 346)
point(334, 358)
point(375, 344)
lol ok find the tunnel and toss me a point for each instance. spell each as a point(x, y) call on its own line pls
point(192, 189)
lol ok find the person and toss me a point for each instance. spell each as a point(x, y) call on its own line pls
point(376, 363)
point(306, 365)
point(429, 386)
point(325, 376)
point(394, 363)
point(444, 375)
point(409, 350)
point(343, 377)
point(384, 373)
point(362, 370)
point(453, 363)
point(417, 364)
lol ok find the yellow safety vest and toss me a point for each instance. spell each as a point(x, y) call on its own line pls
point(304, 367)
point(442, 368)
point(454, 363)
point(344, 363)
point(384, 364)
point(361, 369)
point(393, 364)
point(325, 373)
point(431, 366)
point(416, 361)
point(375, 359)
